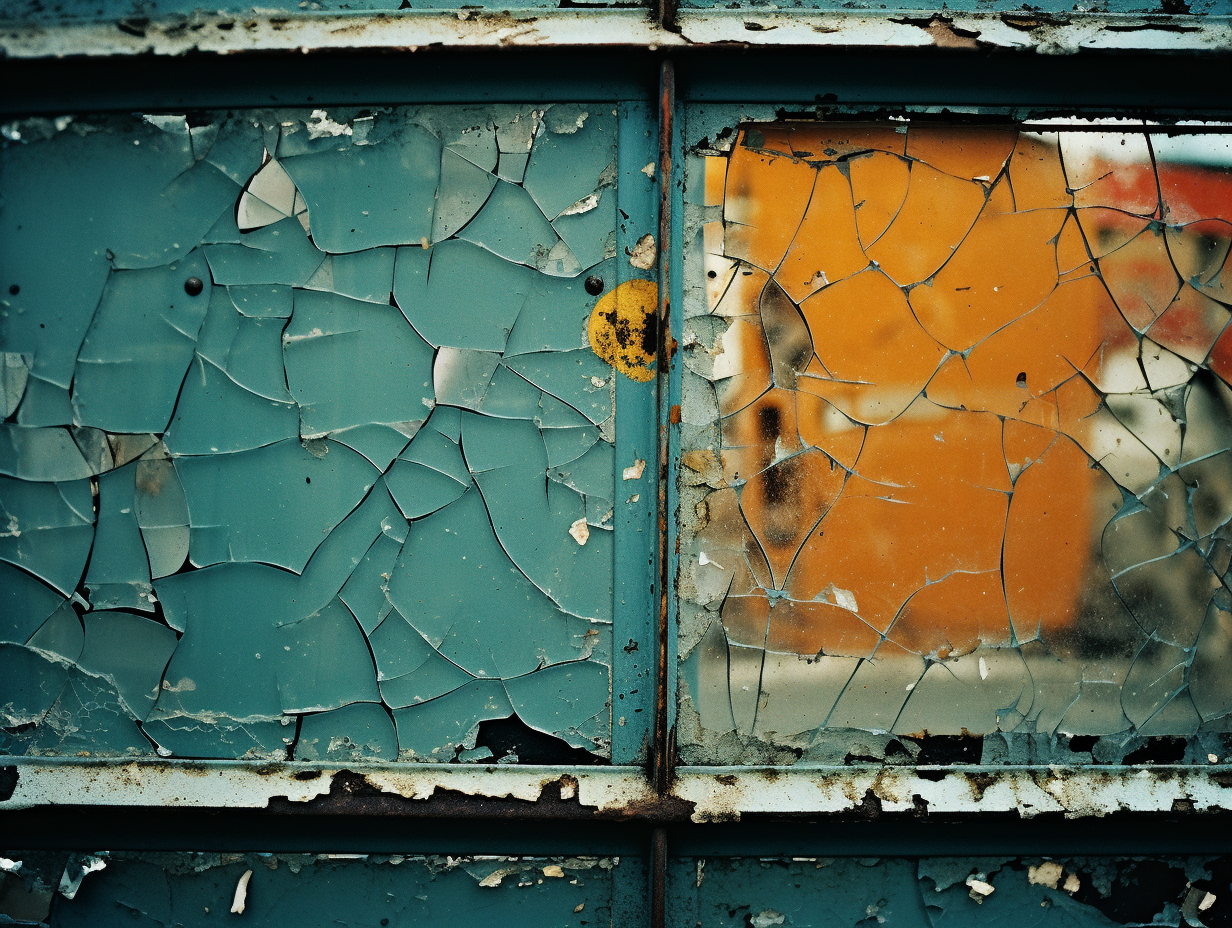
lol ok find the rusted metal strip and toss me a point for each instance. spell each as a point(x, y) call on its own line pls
point(658, 878)
point(667, 15)
point(593, 794)
point(661, 761)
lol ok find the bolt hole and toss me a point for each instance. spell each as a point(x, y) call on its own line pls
point(193, 286)
point(712, 274)
point(594, 285)
point(307, 480)
point(14, 289)
point(1022, 380)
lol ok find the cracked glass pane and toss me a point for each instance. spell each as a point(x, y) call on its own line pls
point(947, 892)
point(306, 452)
point(956, 433)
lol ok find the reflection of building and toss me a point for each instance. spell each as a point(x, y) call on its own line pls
point(913, 400)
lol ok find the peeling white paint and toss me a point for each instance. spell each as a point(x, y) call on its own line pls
point(241, 894)
point(580, 531)
point(715, 793)
point(1046, 874)
point(644, 253)
point(494, 878)
point(584, 205)
point(414, 29)
point(321, 126)
point(767, 918)
point(979, 889)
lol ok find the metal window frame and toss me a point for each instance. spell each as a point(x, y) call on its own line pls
point(1165, 68)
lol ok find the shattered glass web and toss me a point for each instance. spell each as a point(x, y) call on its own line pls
point(957, 444)
point(349, 493)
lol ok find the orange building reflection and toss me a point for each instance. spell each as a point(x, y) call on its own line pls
point(954, 356)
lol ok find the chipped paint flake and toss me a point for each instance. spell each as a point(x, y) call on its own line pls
point(767, 918)
point(644, 254)
point(240, 899)
point(580, 531)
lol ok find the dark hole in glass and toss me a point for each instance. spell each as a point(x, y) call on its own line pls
point(594, 285)
point(512, 735)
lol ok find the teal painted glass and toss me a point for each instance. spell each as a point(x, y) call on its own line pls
point(307, 454)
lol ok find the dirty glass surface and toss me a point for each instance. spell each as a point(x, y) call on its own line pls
point(306, 452)
point(956, 436)
point(947, 892)
point(389, 890)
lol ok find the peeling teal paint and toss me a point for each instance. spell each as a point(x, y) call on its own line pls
point(389, 890)
point(328, 433)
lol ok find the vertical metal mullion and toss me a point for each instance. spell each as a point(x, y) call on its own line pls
point(633, 605)
point(661, 749)
point(658, 877)
point(660, 758)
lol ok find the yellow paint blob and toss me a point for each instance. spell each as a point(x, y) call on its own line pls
point(624, 328)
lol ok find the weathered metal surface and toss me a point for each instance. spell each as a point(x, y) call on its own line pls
point(1041, 33)
point(198, 889)
point(217, 784)
point(661, 759)
point(698, 794)
point(228, 34)
point(938, 892)
point(718, 794)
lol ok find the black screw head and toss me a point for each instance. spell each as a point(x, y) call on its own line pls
point(193, 286)
point(594, 285)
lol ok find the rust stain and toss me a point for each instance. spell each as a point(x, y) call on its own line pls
point(943, 31)
point(623, 329)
